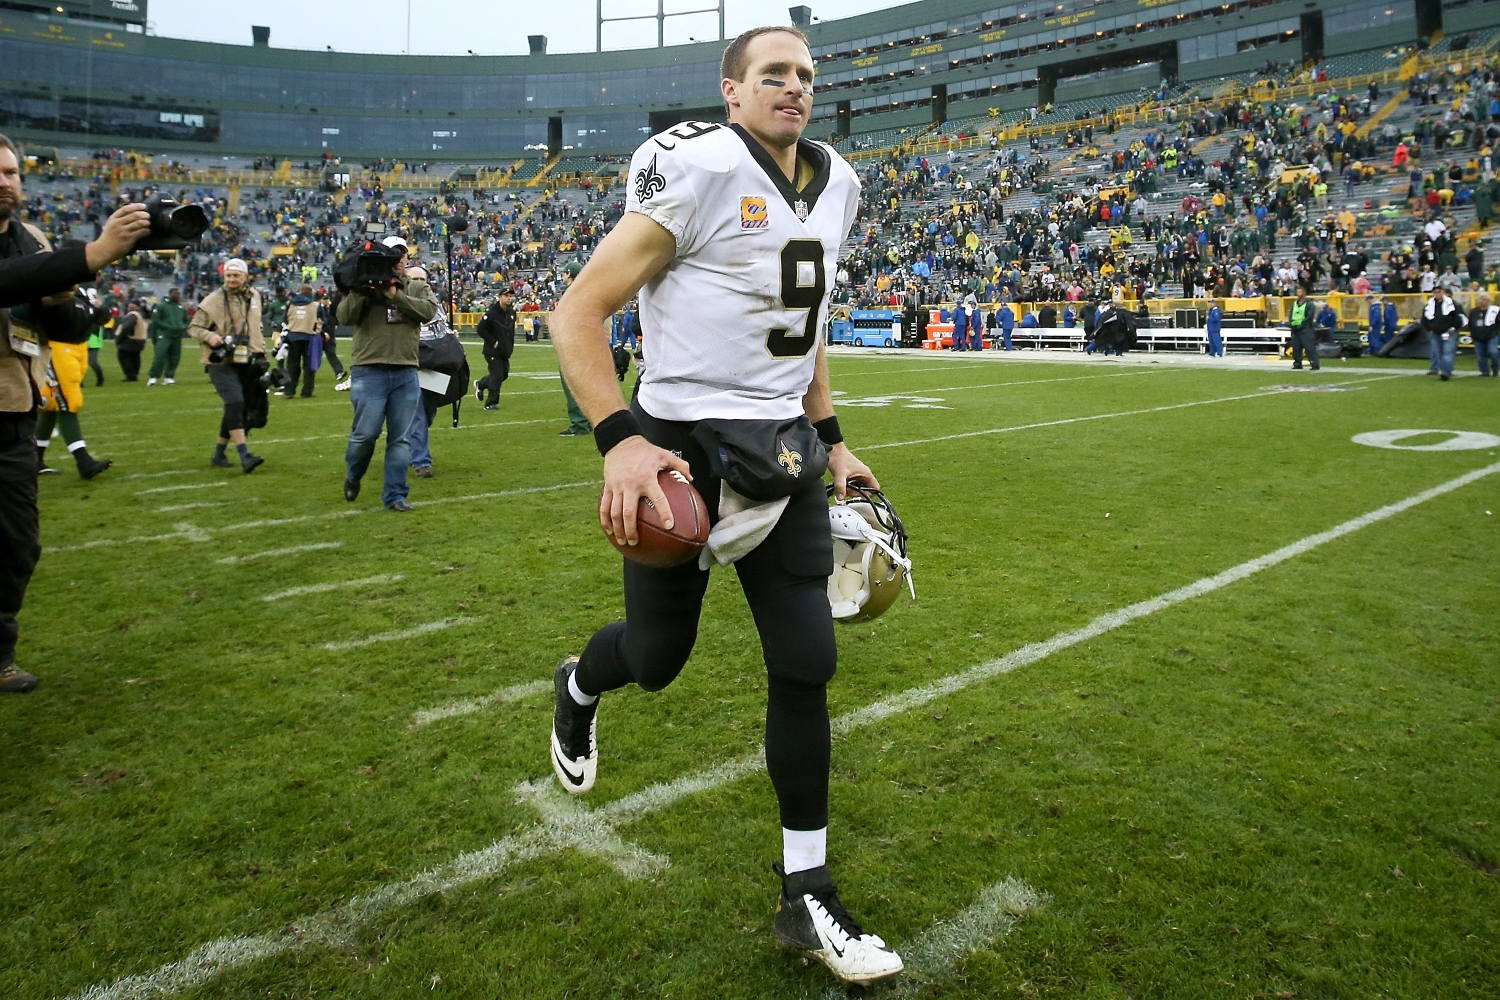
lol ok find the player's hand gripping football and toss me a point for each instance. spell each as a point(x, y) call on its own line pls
point(630, 471)
point(844, 466)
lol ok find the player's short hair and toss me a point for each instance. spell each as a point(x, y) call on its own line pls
point(5, 142)
point(736, 61)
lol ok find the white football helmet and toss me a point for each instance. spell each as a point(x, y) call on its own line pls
point(869, 555)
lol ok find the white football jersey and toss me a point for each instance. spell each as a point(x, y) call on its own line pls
point(732, 325)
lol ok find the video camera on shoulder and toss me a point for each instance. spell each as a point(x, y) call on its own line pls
point(370, 266)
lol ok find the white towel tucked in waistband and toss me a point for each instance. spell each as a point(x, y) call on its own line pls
point(743, 524)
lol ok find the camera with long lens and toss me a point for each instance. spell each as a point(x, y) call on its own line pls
point(173, 225)
point(224, 352)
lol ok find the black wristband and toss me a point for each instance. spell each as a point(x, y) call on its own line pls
point(828, 431)
point(615, 428)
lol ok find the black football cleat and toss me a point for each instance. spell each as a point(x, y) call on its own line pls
point(575, 751)
point(812, 921)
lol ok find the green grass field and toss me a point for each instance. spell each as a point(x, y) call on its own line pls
point(1284, 787)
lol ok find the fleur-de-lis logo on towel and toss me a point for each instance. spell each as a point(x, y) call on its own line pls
point(789, 460)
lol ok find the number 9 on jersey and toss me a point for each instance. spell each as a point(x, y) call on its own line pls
point(803, 285)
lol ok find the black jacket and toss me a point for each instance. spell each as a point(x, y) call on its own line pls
point(1478, 328)
point(27, 275)
point(1439, 321)
point(498, 331)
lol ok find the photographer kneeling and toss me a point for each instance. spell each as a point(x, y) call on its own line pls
point(227, 324)
point(387, 314)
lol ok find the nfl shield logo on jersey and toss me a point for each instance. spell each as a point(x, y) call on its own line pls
point(753, 213)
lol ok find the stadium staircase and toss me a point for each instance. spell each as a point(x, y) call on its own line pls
point(541, 176)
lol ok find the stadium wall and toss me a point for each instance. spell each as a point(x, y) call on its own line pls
point(72, 84)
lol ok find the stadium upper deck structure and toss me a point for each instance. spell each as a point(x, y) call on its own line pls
point(85, 73)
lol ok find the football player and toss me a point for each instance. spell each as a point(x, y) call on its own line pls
point(731, 234)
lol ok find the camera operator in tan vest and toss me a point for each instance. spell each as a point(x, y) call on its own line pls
point(30, 273)
point(304, 328)
point(227, 324)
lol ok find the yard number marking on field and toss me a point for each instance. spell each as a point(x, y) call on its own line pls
point(1457, 440)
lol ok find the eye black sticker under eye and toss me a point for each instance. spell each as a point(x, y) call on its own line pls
point(768, 82)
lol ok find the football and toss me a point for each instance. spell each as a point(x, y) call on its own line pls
point(662, 548)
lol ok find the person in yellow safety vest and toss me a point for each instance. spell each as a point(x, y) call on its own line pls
point(1304, 336)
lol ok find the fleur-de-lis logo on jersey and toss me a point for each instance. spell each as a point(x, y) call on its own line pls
point(649, 182)
point(789, 460)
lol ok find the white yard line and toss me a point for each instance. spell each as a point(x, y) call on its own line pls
point(410, 633)
point(192, 533)
point(158, 475)
point(330, 437)
point(323, 588)
point(206, 503)
point(567, 824)
point(936, 953)
point(185, 486)
point(1098, 416)
point(455, 708)
point(274, 553)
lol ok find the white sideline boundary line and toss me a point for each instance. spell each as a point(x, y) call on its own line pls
point(323, 588)
point(206, 503)
point(566, 824)
point(193, 533)
point(468, 707)
point(272, 553)
point(184, 486)
point(410, 633)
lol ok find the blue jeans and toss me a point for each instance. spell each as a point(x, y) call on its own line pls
point(421, 422)
point(1442, 351)
point(1376, 340)
point(383, 396)
point(1005, 336)
point(1215, 344)
point(1488, 349)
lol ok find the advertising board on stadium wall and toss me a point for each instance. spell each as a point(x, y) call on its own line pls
point(60, 31)
point(129, 11)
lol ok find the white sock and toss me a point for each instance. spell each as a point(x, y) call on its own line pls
point(76, 445)
point(579, 696)
point(803, 849)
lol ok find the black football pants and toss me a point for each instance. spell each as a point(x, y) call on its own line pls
point(785, 581)
point(299, 364)
point(20, 532)
point(499, 371)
